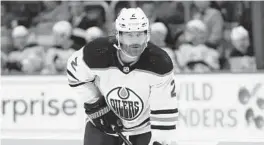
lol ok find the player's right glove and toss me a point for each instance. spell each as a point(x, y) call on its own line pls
point(102, 116)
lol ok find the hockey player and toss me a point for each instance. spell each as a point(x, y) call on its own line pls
point(128, 85)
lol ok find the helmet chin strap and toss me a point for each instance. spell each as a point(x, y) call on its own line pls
point(129, 57)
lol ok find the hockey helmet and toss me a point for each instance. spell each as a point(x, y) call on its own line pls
point(132, 20)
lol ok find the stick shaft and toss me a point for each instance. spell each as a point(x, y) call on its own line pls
point(124, 138)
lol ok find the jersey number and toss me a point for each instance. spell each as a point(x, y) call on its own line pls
point(173, 93)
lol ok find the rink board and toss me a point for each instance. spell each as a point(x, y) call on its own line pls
point(211, 109)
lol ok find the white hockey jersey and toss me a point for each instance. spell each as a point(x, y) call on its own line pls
point(141, 94)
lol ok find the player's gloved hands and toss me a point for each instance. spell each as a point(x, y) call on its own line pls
point(103, 117)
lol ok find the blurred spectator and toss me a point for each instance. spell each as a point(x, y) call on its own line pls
point(149, 8)
point(78, 14)
point(20, 35)
point(82, 19)
point(194, 55)
point(241, 58)
point(96, 15)
point(6, 40)
point(155, 13)
point(245, 20)
point(170, 12)
point(21, 12)
point(79, 21)
point(158, 35)
point(4, 59)
point(119, 5)
point(93, 33)
point(28, 56)
point(53, 11)
point(57, 56)
point(213, 20)
point(230, 10)
point(6, 17)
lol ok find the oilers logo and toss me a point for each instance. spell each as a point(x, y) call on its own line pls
point(125, 103)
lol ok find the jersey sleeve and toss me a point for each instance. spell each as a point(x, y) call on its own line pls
point(164, 107)
point(81, 78)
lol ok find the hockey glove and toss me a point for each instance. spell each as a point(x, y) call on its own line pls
point(102, 116)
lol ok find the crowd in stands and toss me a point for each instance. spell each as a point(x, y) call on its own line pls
point(37, 37)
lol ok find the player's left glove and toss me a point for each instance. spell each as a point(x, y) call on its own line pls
point(102, 116)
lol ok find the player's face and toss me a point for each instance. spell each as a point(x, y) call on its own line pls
point(133, 43)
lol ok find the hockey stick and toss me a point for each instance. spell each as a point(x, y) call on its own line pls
point(127, 142)
point(118, 132)
point(124, 138)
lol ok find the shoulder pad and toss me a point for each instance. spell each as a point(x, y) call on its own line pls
point(158, 61)
point(97, 53)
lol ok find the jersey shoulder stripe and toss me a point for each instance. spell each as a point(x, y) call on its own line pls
point(141, 124)
point(168, 111)
point(163, 127)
